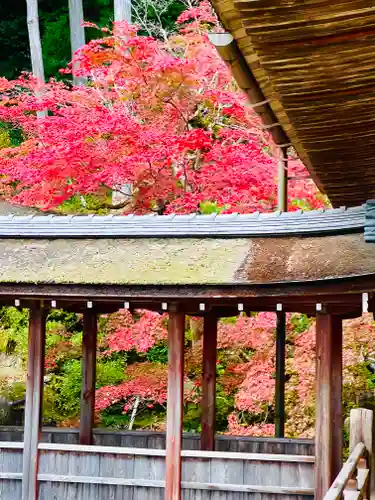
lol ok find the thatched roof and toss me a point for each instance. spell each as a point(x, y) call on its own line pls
point(313, 63)
point(232, 249)
point(190, 261)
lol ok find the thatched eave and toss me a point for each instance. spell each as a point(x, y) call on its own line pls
point(314, 64)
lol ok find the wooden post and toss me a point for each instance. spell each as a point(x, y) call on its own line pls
point(208, 404)
point(362, 431)
point(88, 376)
point(280, 375)
point(34, 397)
point(282, 183)
point(176, 333)
point(329, 424)
point(282, 205)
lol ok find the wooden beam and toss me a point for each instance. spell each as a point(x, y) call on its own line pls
point(280, 375)
point(208, 403)
point(34, 398)
point(329, 419)
point(90, 327)
point(176, 333)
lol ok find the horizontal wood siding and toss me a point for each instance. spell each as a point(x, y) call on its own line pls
point(76, 472)
point(156, 440)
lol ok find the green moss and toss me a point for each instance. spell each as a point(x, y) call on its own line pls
point(125, 261)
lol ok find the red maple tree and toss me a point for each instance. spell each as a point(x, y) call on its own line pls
point(165, 117)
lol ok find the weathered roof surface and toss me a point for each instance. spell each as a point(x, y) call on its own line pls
point(216, 226)
point(174, 261)
point(6, 209)
point(314, 62)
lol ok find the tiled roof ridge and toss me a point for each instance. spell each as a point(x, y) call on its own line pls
point(309, 223)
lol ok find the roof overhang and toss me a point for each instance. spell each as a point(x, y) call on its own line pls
point(312, 66)
point(257, 261)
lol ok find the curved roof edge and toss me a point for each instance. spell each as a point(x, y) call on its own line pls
point(312, 223)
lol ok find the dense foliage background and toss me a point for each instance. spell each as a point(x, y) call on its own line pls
point(54, 26)
point(132, 370)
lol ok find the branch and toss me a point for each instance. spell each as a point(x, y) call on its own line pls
point(116, 206)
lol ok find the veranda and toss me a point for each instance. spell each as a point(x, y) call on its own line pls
point(316, 263)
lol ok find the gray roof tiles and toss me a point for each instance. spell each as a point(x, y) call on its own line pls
point(317, 222)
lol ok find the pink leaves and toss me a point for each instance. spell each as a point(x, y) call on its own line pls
point(238, 429)
point(257, 391)
point(127, 333)
point(252, 332)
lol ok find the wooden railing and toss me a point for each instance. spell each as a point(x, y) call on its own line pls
point(103, 472)
point(157, 440)
point(354, 481)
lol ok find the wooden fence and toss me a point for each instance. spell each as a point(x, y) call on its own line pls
point(156, 440)
point(110, 473)
point(354, 481)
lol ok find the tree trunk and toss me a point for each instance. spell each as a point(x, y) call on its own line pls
point(34, 39)
point(77, 33)
point(36, 55)
point(123, 10)
point(196, 328)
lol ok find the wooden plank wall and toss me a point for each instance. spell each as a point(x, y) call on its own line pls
point(85, 472)
point(156, 440)
point(11, 471)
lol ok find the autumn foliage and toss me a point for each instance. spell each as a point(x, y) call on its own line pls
point(163, 116)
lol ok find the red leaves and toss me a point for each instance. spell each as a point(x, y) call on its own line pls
point(193, 140)
point(126, 333)
point(165, 117)
point(203, 13)
point(148, 381)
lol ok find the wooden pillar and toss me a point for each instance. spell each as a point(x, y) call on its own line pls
point(282, 183)
point(208, 419)
point(175, 401)
point(90, 327)
point(280, 375)
point(34, 397)
point(329, 420)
